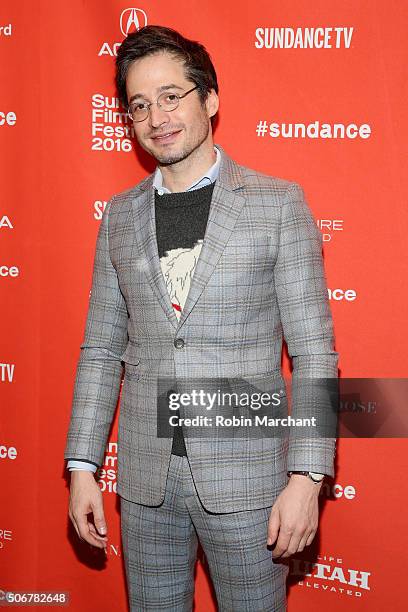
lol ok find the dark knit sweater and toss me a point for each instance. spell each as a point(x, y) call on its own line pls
point(181, 221)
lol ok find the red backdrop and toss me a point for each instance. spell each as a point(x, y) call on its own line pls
point(61, 160)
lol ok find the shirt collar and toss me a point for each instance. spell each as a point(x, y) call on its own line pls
point(209, 177)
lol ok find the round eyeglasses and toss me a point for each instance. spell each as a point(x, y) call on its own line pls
point(167, 101)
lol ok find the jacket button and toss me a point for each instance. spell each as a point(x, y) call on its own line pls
point(179, 343)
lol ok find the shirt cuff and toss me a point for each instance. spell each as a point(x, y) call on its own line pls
point(81, 465)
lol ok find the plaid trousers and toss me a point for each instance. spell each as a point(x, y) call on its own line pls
point(160, 548)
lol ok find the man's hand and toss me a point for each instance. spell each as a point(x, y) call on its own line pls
point(86, 497)
point(294, 516)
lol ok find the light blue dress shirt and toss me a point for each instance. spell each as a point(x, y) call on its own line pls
point(209, 177)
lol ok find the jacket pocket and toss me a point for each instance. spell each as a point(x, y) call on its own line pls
point(131, 361)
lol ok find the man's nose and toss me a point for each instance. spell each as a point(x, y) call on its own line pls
point(157, 116)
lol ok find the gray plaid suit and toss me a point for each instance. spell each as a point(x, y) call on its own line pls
point(259, 276)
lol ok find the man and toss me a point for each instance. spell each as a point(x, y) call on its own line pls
point(198, 271)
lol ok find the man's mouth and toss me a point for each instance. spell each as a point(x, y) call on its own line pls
point(166, 137)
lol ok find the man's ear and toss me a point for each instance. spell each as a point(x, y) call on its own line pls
point(212, 103)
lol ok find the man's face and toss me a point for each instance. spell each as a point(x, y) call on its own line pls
point(188, 125)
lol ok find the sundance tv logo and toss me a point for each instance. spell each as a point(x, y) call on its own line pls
point(131, 20)
point(7, 372)
point(303, 38)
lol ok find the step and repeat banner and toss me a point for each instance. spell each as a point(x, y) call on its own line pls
point(313, 92)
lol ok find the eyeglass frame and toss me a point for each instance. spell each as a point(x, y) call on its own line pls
point(149, 104)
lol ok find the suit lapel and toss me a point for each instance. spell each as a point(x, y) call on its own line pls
point(145, 232)
point(224, 211)
point(226, 206)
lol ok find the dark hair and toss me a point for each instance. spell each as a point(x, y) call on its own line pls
point(152, 39)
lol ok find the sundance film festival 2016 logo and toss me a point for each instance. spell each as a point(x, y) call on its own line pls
point(107, 473)
point(111, 128)
point(130, 20)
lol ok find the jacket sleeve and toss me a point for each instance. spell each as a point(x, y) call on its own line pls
point(308, 330)
point(99, 369)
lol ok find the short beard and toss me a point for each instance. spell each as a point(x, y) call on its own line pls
point(173, 158)
point(168, 160)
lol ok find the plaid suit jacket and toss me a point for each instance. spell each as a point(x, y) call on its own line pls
point(259, 277)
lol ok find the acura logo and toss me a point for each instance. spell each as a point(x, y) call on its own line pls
point(131, 20)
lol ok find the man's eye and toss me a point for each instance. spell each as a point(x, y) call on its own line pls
point(171, 97)
point(137, 106)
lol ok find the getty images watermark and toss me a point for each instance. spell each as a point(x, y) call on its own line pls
point(269, 406)
point(213, 402)
point(246, 407)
